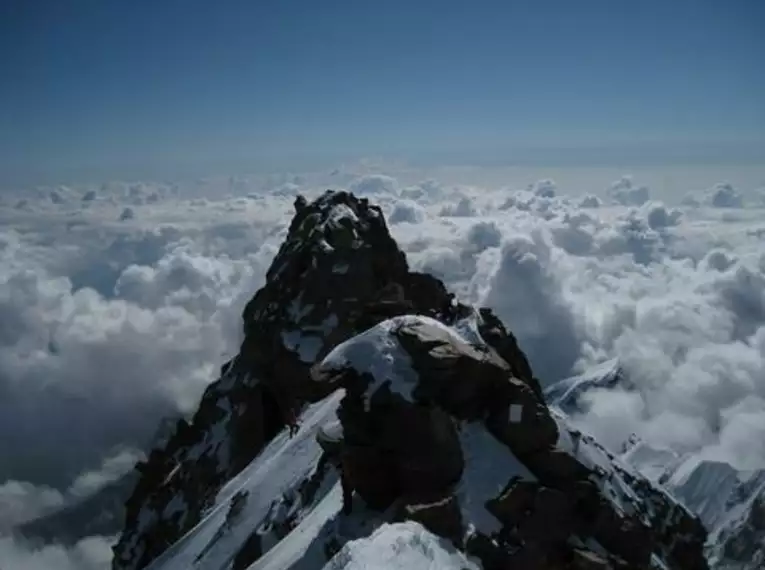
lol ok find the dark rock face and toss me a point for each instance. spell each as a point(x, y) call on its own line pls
point(410, 383)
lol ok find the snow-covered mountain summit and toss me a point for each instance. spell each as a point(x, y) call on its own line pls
point(423, 436)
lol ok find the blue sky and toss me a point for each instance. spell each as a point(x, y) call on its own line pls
point(121, 88)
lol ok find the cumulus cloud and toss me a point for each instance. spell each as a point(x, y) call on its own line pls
point(464, 208)
point(21, 501)
point(483, 235)
point(632, 235)
point(718, 260)
point(574, 233)
point(111, 470)
point(58, 196)
point(374, 184)
point(76, 367)
point(540, 201)
point(659, 216)
point(689, 337)
point(127, 214)
point(406, 211)
point(544, 188)
point(106, 330)
point(93, 553)
point(721, 195)
point(625, 192)
point(108, 326)
point(724, 195)
point(427, 190)
point(528, 297)
point(590, 201)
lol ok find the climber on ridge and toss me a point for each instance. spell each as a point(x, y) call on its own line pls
point(291, 421)
point(330, 439)
point(288, 408)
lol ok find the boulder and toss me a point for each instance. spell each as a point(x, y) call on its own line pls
point(417, 442)
point(455, 375)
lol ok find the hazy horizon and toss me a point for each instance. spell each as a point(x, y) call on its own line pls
point(105, 90)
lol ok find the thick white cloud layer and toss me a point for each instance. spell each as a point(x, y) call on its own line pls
point(92, 553)
point(625, 192)
point(109, 324)
point(105, 328)
point(22, 501)
point(110, 470)
point(721, 195)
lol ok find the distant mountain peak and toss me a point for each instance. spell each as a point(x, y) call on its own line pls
point(731, 504)
point(570, 394)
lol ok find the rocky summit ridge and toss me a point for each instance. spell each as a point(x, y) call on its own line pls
point(427, 408)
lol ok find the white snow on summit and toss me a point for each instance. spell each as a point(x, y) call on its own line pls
point(401, 546)
point(377, 351)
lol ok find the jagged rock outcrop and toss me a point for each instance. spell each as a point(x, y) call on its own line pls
point(441, 422)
